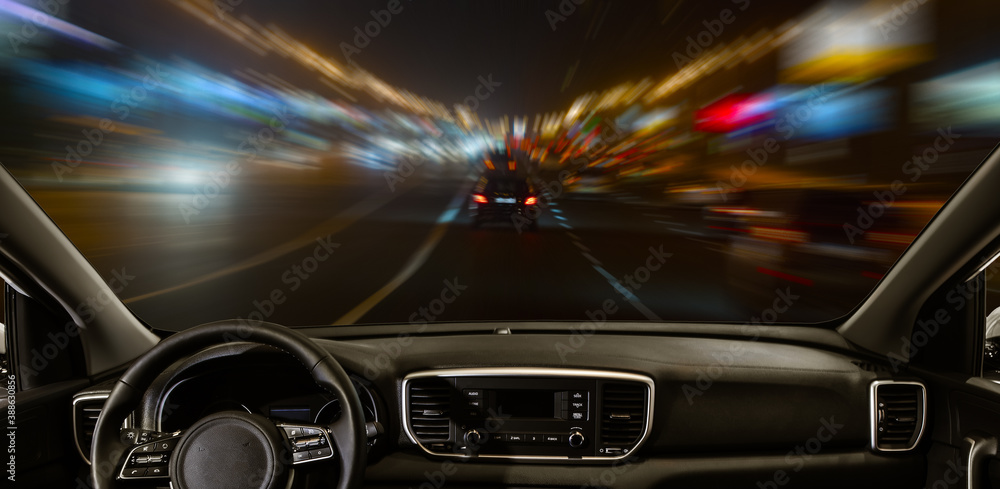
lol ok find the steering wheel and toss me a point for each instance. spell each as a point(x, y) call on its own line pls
point(230, 449)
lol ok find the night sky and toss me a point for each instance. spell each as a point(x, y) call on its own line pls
point(439, 49)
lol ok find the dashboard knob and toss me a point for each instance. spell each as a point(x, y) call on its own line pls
point(576, 439)
point(473, 437)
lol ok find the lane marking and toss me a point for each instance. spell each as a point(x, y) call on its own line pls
point(592, 259)
point(581, 246)
point(329, 227)
point(629, 296)
point(416, 260)
point(567, 226)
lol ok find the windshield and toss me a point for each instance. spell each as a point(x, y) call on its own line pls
point(315, 163)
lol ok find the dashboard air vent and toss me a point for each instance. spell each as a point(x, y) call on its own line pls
point(430, 400)
point(85, 413)
point(898, 410)
point(623, 409)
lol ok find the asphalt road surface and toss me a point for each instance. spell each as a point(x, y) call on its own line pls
point(342, 246)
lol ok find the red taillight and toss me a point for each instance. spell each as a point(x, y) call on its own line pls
point(531, 200)
point(479, 198)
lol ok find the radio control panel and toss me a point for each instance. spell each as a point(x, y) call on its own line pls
point(527, 413)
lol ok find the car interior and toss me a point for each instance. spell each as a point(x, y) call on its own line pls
point(898, 389)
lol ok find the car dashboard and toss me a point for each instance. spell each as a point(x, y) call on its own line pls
point(529, 408)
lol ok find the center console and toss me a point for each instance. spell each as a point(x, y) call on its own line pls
point(527, 413)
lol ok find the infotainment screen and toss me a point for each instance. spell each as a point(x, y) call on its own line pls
point(525, 403)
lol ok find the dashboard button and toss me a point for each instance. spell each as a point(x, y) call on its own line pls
point(577, 395)
point(165, 445)
point(293, 431)
point(533, 438)
point(551, 438)
point(578, 405)
point(136, 472)
point(311, 431)
point(472, 392)
point(578, 415)
point(158, 471)
point(301, 456)
point(515, 438)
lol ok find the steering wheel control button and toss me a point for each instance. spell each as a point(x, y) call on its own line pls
point(309, 443)
point(149, 460)
point(320, 453)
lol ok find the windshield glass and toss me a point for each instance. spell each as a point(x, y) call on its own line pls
point(314, 162)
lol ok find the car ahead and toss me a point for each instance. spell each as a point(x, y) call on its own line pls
point(504, 196)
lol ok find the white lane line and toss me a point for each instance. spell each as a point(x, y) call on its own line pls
point(416, 260)
point(557, 211)
point(581, 246)
point(629, 296)
point(567, 226)
point(327, 228)
point(593, 260)
point(712, 246)
point(571, 235)
point(561, 218)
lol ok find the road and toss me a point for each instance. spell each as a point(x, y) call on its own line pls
point(340, 246)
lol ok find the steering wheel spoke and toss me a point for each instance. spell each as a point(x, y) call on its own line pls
point(309, 443)
point(150, 457)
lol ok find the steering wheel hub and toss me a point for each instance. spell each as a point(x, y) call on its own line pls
point(230, 449)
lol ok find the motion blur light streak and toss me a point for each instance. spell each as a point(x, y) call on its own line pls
point(758, 153)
